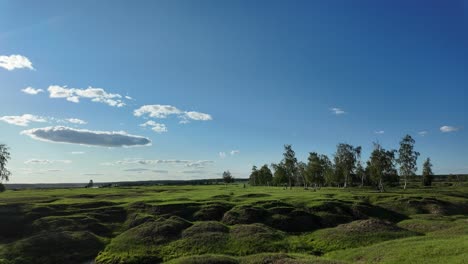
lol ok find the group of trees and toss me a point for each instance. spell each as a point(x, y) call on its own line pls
point(346, 169)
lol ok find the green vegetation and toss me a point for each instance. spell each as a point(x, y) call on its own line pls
point(233, 224)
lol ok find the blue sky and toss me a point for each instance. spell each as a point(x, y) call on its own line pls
point(222, 85)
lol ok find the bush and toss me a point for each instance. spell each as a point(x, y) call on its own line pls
point(2, 188)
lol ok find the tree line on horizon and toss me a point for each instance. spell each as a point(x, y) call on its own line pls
point(384, 168)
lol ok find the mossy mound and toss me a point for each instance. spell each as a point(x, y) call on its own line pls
point(264, 258)
point(141, 244)
point(356, 234)
point(245, 215)
point(184, 210)
point(212, 212)
point(205, 227)
point(71, 223)
point(294, 221)
point(54, 247)
point(256, 238)
point(423, 205)
point(205, 259)
point(13, 223)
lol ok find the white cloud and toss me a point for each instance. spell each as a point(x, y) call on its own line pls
point(76, 121)
point(337, 111)
point(156, 127)
point(157, 111)
point(163, 111)
point(15, 62)
point(45, 161)
point(447, 129)
point(32, 91)
point(198, 116)
point(74, 95)
point(234, 152)
point(379, 132)
point(77, 152)
point(222, 154)
point(23, 120)
point(422, 133)
point(128, 97)
point(61, 134)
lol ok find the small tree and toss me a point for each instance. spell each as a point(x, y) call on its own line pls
point(407, 158)
point(4, 172)
point(90, 184)
point(227, 177)
point(427, 174)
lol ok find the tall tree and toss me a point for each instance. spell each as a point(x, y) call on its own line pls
point(290, 164)
point(301, 174)
point(266, 177)
point(316, 169)
point(253, 179)
point(407, 158)
point(381, 165)
point(427, 174)
point(227, 177)
point(4, 158)
point(345, 160)
point(280, 177)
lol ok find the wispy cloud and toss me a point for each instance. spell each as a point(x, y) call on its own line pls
point(163, 111)
point(45, 161)
point(74, 95)
point(379, 132)
point(193, 171)
point(156, 127)
point(234, 152)
point(77, 152)
point(422, 133)
point(186, 163)
point(76, 121)
point(337, 111)
point(61, 134)
point(15, 62)
point(23, 120)
point(92, 174)
point(32, 91)
point(447, 129)
point(222, 154)
point(196, 116)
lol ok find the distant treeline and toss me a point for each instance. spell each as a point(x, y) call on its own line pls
point(383, 168)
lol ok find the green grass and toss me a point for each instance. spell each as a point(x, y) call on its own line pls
point(232, 224)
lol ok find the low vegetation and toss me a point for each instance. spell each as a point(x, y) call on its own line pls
point(234, 224)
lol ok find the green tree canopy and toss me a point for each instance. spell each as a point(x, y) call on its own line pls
point(407, 158)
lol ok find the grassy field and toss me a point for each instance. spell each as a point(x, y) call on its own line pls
point(233, 224)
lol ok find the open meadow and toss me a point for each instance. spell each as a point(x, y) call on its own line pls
point(234, 224)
